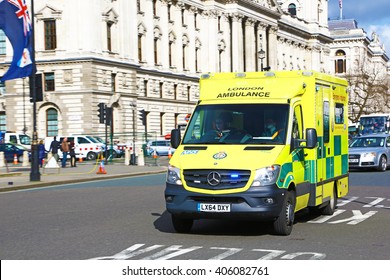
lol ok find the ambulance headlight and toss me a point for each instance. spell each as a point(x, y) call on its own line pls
point(266, 176)
point(173, 175)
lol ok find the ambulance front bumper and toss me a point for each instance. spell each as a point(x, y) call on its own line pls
point(257, 203)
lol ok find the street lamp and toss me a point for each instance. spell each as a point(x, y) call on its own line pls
point(261, 57)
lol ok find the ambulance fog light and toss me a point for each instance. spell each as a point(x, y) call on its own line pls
point(169, 198)
point(173, 176)
point(269, 200)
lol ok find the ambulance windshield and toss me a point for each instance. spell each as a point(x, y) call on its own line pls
point(238, 124)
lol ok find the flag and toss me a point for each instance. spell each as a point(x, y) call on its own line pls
point(341, 4)
point(15, 21)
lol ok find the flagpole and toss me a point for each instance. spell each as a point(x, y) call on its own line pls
point(34, 174)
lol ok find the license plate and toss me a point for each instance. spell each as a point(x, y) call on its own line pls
point(213, 207)
point(353, 160)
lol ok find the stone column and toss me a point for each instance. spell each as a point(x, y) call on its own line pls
point(237, 47)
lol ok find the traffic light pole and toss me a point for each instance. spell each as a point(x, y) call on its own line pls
point(34, 174)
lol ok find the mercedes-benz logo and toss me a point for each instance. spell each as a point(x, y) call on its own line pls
point(214, 178)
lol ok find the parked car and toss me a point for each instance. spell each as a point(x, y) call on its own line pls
point(370, 151)
point(10, 150)
point(161, 147)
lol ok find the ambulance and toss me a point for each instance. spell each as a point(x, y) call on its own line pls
point(284, 149)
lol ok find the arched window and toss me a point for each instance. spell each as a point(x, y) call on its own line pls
point(52, 122)
point(340, 62)
point(292, 9)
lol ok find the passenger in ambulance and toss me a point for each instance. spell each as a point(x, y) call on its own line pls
point(271, 131)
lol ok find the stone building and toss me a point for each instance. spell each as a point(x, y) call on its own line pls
point(361, 59)
point(148, 55)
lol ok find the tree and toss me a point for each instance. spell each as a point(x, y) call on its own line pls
point(369, 88)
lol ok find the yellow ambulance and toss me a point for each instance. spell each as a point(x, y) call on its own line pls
point(260, 145)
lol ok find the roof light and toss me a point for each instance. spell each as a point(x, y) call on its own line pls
point(240, 75)
point(307, 73)
point(205, 76)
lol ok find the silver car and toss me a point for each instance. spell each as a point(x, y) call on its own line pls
point(370, 151)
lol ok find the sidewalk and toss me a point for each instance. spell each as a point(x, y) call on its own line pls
point(17, 177)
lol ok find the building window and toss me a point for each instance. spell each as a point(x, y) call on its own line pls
point(138, 6)
point(155, 51)
point(109, 36)
point(175, 91)
point(161, 89)
point(113, 84)
point(292, 9)
point(154, 8)
point(197, 55)
point(139, 47)
point(49, 81)
point(3, 49)
point(184, 56)
point(162, 123)
point(146, 87)
point(170, 54)
point(50, 35)
point(52, 122)
point(340, 62)
point(3, 121)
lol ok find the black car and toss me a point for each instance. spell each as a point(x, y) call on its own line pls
point(10, 150)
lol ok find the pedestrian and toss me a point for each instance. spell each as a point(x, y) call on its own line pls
point(72, 154)
point(41, 152)
point(65, 151)
point(54, 147)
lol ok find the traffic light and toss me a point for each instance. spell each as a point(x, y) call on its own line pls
point(38, 88)
point(108, 115)
point(142, 116)
point(102, 112)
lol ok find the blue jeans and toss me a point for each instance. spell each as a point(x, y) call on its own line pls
point(64, 156)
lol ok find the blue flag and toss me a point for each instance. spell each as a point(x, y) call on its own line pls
point(15, 21)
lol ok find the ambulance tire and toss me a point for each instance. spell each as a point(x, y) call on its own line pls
point(182, 225)
point(331, 206)
point(284, 223)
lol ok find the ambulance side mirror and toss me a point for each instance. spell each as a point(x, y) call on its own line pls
point(175, 138)
point(311, 138)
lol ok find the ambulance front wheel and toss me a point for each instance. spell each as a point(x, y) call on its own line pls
point(182, 225)
point(284, 223)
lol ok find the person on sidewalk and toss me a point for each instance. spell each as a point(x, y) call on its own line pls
point(41, 153)
point(54, 146)
point(65, 151)
point(72, 154)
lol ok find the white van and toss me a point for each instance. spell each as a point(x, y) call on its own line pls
point(16, 138)
point(85, 146)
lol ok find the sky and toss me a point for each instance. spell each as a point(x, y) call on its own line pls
point(371, 15)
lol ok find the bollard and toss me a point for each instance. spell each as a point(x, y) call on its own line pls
point(127, 157)
point(141, 160)
point(25, 159)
